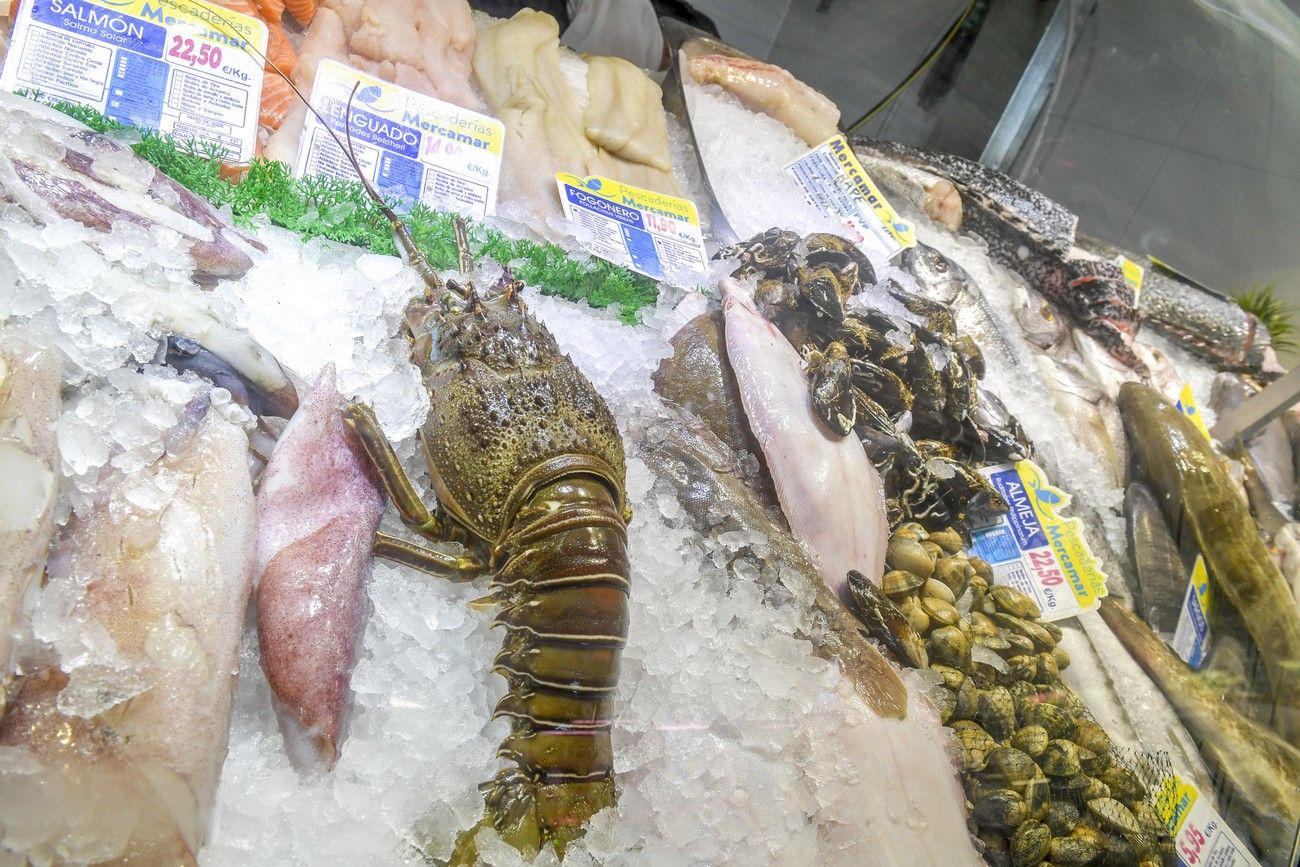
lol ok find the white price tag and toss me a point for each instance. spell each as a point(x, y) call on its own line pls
point(412, 147)
point(834, 181)
point(1034, 549)
point(1201, 837)
point(178, 66)
point(1192, 635)
point(652, 233)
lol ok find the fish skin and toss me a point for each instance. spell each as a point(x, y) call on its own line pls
point(1028, 210)
point(1259, 771)
point(698, 378)
point(318, 507)
point(170, 589)
point(29, 463)
point(1032, 235)
point(1161, 578)
point(1207, 323)
point(899, 744)
point(1199, 499)
point(811, 468)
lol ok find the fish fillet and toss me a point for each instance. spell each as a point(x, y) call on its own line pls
point(317, 511)
point(771, 90)
point(423, 45)
point(624, 113)
point(29, 411)
point(163, 613)
point(517, 65)
point(832, 497)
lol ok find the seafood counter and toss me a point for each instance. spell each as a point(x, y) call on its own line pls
point(312, 554)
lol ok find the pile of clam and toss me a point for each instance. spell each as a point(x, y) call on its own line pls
point(1043, 783)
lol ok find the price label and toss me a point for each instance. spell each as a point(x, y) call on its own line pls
point(1192, 635)
point(1133, 275)
point(834, 181)
point(653, 234)
point(412, 147)
point(1201, 837)
point(1034, 549)
point(183, 67)
point(1186, 404)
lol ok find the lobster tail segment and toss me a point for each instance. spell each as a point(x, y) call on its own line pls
point(563, 583)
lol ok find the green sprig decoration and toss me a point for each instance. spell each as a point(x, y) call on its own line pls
point(1278, 316)
point(341, 211)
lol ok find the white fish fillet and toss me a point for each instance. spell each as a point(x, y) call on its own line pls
point(517, 66)
point(910, 803)
point(423, 45)
point(773, 91)
point(29, 411)
point(167, 591)
point(624, 113)
point(317, 511)
point(831, 495)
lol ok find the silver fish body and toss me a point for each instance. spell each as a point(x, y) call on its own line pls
point(1160, 577)
point(943, 280)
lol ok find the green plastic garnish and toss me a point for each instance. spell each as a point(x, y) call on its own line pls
point(341, 211)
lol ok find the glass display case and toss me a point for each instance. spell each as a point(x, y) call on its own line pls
point(648, 433)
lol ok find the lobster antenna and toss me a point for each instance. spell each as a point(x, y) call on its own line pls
point(463, 254)
point(401, 234)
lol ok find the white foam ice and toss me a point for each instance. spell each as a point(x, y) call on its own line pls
point(319, 303)
point(725, 733)
point(727, 726)
point(750, 182)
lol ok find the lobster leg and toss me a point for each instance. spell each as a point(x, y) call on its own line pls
point(427, 560)
point(397, 484)
point(361, 419)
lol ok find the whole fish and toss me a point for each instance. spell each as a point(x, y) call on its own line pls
point(1258, 772)
point(987, 194)
point(1028, 233)
point(53, 167)
point(168, 589)
point(832, 497)
point(943, 280)
point(1200, 501)
point(896, 752)
point(29, 463)
point(318, 508)
point(1160, 577)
